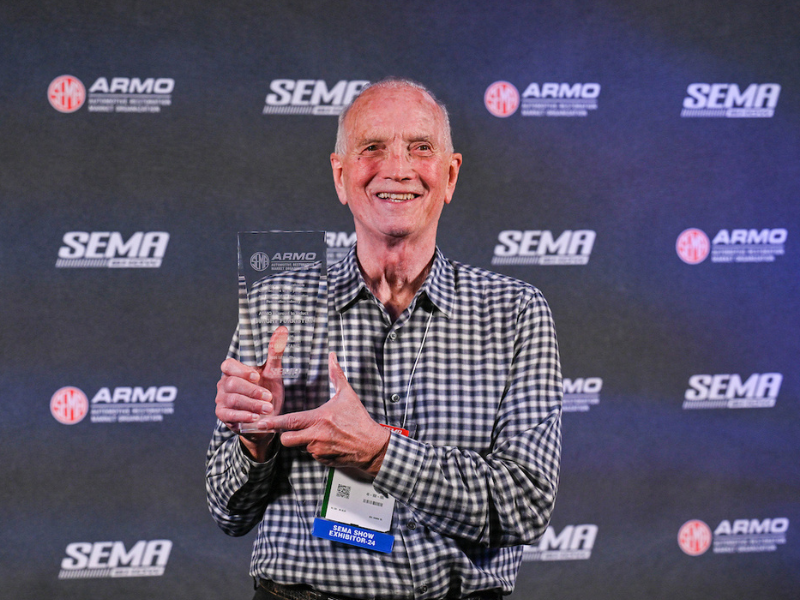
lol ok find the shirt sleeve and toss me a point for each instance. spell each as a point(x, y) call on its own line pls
point(236, 486)
point(505, 497)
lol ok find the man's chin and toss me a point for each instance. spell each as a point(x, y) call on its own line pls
point(398, 234)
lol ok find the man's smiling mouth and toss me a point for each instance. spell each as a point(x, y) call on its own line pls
point(396, 197)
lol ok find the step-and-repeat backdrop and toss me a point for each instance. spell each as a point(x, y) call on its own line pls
point(637, 161)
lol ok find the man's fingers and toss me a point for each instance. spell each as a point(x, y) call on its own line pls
point(245, 403)
point(241, 412)
point(292, 421)
point(230, 416)
point(236, 385)
point(234, 368)
point(277, 345)
point(239, 400)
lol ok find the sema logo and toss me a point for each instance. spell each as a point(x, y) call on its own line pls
point(542, 99)
point(117, 94)
point(535, 247)
point(760, 390)
point(694, 537)
point(259, 261)
point(581, 394)
point(501, 99)
point(741, 535)
point(575, 542)
point(692, 246)
point(735, 245)
point(728, 100)
point(108, 249)
point(70, 405)
point(310, 96)
point(86, 560)
point(66, 93)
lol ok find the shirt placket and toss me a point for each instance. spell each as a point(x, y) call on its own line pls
point(401, 345)
point(398, 357)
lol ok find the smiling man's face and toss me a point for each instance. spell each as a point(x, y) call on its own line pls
point(397, 170)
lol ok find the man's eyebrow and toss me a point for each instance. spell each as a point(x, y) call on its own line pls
point(369, 141)
point(421, 138)
point(412, 139)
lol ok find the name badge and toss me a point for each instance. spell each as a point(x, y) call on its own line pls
point(354, 512)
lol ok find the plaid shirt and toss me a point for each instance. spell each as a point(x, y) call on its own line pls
point(476, 478)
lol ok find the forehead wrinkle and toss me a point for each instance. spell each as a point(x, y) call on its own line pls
point(370, 123)
point(385, 134)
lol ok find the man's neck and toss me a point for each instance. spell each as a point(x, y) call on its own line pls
point(394, 272)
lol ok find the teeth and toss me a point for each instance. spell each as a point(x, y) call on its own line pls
point(388, 196)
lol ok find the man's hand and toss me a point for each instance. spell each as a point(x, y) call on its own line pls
point(245, 395)
point(340, 433)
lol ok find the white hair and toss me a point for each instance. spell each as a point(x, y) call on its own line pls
point(392, 83)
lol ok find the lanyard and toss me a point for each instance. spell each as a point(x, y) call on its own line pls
point(413, 368)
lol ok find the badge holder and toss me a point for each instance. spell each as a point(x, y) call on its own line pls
point(353, 512)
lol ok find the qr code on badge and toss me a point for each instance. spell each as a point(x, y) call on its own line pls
point(343, 491)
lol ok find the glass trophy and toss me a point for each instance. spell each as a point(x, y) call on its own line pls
point(282, 282)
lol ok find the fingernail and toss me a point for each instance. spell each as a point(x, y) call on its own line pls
point(266, 396)
point(253, 377)
point(266, 409)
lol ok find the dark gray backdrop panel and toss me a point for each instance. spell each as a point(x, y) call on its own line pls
point(636, 466)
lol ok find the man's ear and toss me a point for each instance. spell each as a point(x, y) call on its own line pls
point(452, 176)
point(338, 177)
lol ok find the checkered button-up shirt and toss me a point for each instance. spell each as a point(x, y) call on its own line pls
point(471, 368)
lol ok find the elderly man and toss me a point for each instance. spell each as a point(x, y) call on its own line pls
point(464, 360)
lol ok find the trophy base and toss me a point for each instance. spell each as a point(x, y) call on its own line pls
point(252, 428)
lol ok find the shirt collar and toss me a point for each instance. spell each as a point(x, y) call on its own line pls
point(346, 284)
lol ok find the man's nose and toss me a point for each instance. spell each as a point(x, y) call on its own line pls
point(397, 164)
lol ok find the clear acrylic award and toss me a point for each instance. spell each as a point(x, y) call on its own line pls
point(282, 276)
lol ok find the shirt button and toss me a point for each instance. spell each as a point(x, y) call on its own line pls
point(393, 336)
point(422, 589)
point(412, 525)
point(395, 398)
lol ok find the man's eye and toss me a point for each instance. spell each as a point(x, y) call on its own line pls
point(424, 148)
point(371, 148)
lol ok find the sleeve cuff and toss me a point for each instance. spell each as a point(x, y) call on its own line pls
point(399, 472)
point(245, 469)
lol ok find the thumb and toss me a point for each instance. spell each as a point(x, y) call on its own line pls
point(277, 345)
point(336, 373)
